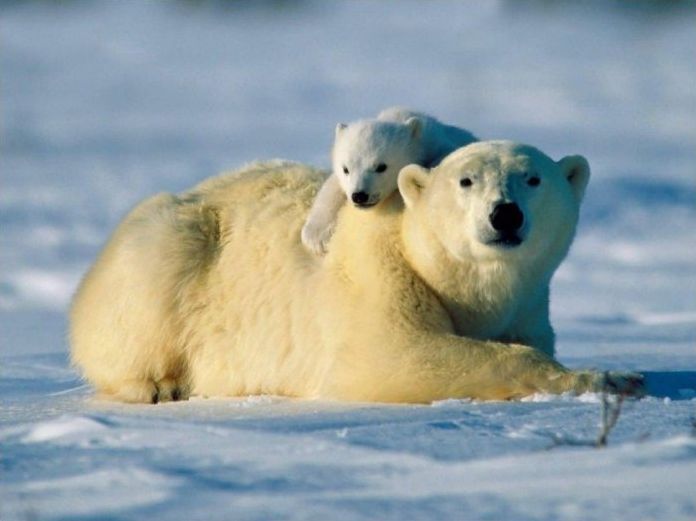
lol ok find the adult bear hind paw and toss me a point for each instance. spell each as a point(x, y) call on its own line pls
point(170, 390)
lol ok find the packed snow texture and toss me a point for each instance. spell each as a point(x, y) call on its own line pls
point(104, 103)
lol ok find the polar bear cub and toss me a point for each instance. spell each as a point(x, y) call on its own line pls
point(367, 156)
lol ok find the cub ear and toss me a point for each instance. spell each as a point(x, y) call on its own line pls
point(340, 128)
point(415, 127)
point(412, 180)
point(576, 169)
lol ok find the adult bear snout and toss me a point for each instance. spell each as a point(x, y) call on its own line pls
point(506, 217)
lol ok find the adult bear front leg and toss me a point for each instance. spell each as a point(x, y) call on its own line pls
point(426, 367)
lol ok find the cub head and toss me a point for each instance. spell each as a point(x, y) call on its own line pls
point(499, 200)
point(368, 155)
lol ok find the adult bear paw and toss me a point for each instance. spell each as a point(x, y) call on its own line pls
point(621, 383)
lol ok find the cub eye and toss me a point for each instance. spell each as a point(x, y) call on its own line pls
point(533, 181)
point(380, 168)
point(466, 182)
point(345, 170)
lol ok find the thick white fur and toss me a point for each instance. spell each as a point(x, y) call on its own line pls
point(396, 138)
point(211, 292)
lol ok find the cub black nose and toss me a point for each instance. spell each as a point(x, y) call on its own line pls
point(506, 217)
point(359, 197)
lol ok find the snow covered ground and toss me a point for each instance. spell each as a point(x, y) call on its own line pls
point(104, 103)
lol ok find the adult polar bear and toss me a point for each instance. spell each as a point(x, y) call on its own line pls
point(212, 292)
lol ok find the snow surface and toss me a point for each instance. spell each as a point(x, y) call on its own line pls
point(104, 103)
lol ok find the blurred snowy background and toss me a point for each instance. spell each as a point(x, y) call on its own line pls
point(104, 103)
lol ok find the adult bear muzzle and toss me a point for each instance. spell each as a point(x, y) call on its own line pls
point(506, 218)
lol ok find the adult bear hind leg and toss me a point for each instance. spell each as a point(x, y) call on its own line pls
point(125, 318)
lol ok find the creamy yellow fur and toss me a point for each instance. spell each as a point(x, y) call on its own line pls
point(212, 293)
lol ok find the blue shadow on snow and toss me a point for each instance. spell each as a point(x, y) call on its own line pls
point(676, 385)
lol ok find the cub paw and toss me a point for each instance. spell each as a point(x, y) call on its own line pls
point(316, 238)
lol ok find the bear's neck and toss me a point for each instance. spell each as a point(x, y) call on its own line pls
point(481, 297)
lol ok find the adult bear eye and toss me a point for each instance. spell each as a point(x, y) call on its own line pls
point(380, 168)
point(345, 170)
point(533, 181)
point(466, 182)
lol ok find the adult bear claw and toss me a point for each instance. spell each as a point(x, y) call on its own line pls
point(624, 384)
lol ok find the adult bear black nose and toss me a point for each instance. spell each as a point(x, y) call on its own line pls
point(507, 217)
point(359, 197)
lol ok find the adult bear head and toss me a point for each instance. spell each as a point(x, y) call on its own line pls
point(496, 201)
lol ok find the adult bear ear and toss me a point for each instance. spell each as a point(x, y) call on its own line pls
point(340, 128)
point(576, 170)
point(412, 180)
point(415, 126)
